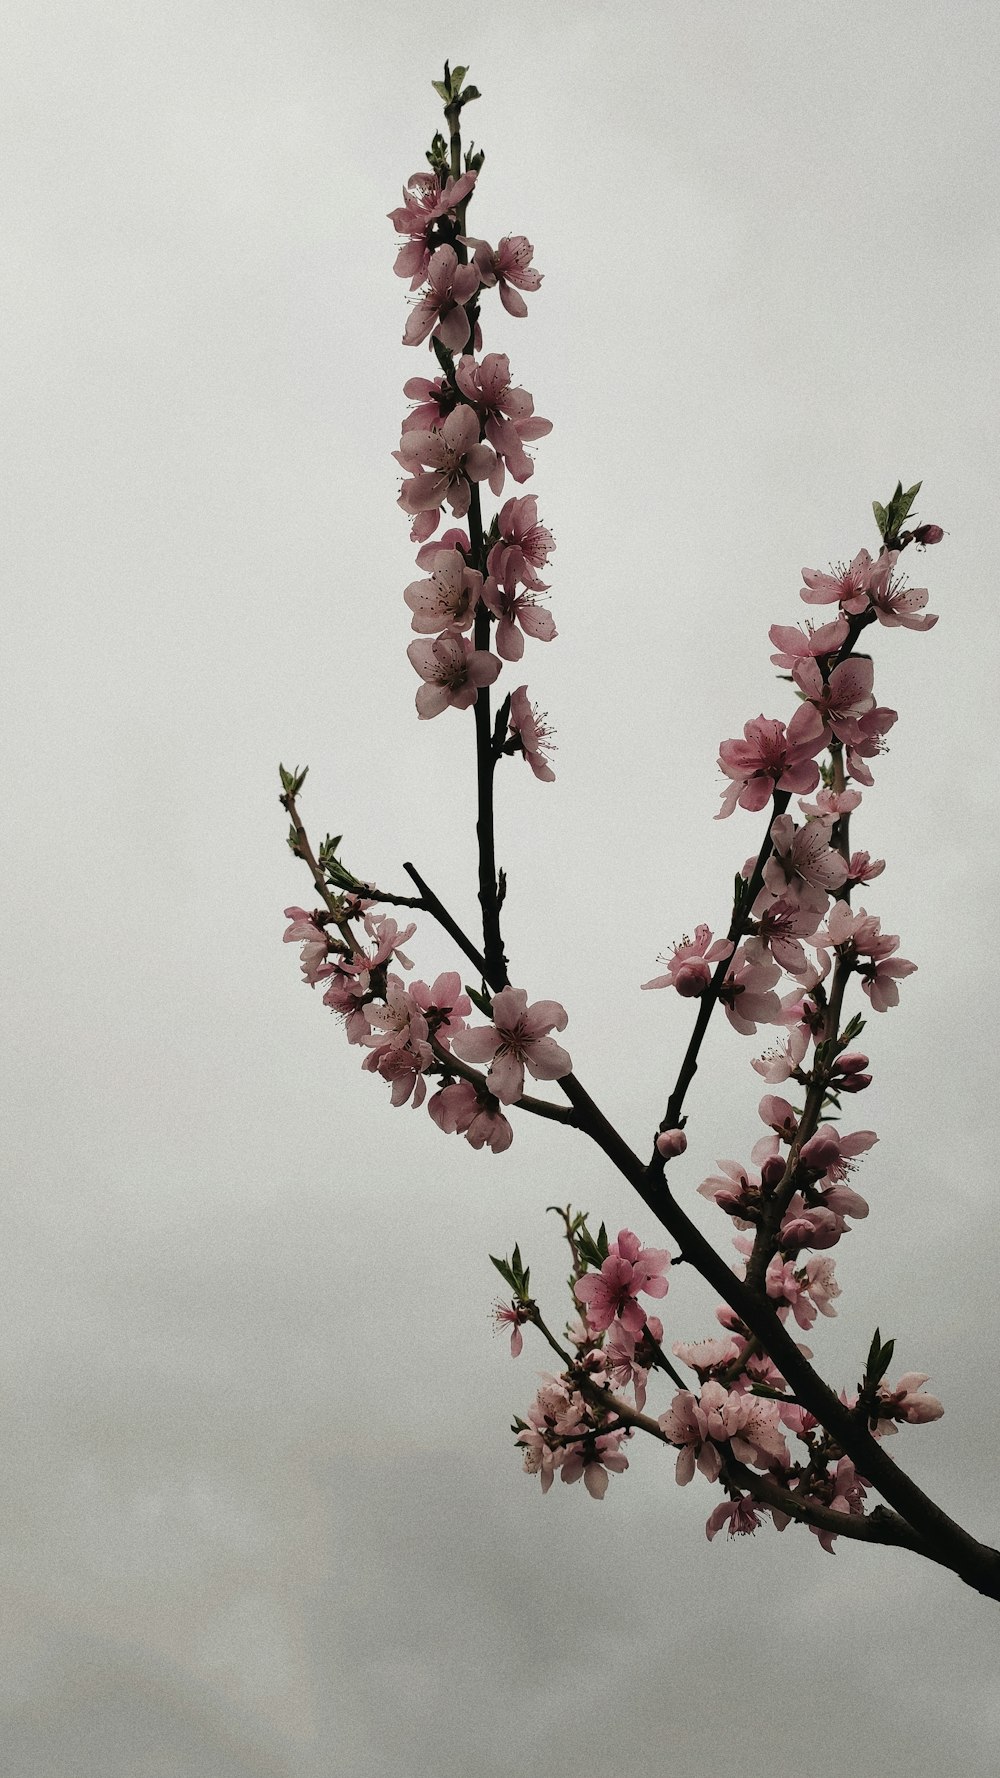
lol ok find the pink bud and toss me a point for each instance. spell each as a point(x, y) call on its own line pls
point(692, 977)
point(854, 1083)
point(671, 1143)
point(773, 1170)
point(850, 1062)
point(925, 534)
point(820, 1152)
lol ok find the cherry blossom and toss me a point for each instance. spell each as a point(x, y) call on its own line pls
point(849, 585)
point(517, 1039)
point(425, 202)
point(690, 964)
point(523, 545)
point(443, 463)
point(613, 1291)
point(532, 733)
point(442, 310)
point(448, 599)
point(513, 606)
point(796, 644)
point(772, 757)
point(509, 268)
point(459, 1109)
point(454, 671)
point(894, 604)
point(509, 414)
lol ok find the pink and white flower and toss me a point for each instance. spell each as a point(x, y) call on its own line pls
point(518, 1038)
point(454, 671)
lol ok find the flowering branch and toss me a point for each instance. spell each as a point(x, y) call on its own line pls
point(755, 1386)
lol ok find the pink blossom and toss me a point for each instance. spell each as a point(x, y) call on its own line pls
point(748, 993)
point(704, 1356)
point(425, 202)
point(771, 757)
point(345, 994)
point(867, 740)
point(831, 804)
point(671, 1143)
point(435, 401)
point(443, 1005)
point(683, 1426)
point(442, 308)
point(906, 1401)
point(689, 966)
point(509, 414)
point(523, 545)
point(742, 1516)
point(848, 585)
point(593, 1459)
point(315, 944)
point(803, 855)
point(623, 1356)
point(509, 267)
point(448, 599)
point(513, 1317)
point(532, 733)
point(780, 1062)
point(779, 927)
point(858, 936)
point(517, 1039)
point(458, 1109)
point(513, 607)
point(795, 644)
point(843, 698)
point(735, 1189)
point(863, 869)
point(628, 1269)
point(452, 457)
point(894, 604)
point(453, 671)
point(453, 538)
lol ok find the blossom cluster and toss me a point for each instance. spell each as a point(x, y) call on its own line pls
point(468, 428)
point(422, 1030)
point(793, 944)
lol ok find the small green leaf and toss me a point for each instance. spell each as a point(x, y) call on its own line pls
point(881, 518)
point(504, 1270)
point(884, 1361)
point(480, 1000)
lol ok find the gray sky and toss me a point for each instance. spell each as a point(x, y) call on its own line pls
point(262, 1514)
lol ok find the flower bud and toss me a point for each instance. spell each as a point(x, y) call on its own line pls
point(671, 1143)
point(925, 534)
point(850, 1062)
point(692, 977)
point(773, 1170)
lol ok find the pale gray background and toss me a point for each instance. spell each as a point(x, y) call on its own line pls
point(261, 1512)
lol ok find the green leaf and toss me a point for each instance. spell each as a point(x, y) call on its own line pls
point(881, 518)
point(504, 1270)
point(480, 1000)
point(873, 1352)
point(457, 77)
point(884, 1361)
point(470, 93)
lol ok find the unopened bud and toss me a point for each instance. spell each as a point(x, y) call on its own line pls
point(925, 534)
point(773, 1170)
point(850, 1062)
point(671, 1143)
point(692, 978)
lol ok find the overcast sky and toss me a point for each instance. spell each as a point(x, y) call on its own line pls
point(262, 1514)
